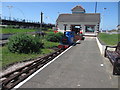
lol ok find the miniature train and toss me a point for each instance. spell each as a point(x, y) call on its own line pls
point(69, 38)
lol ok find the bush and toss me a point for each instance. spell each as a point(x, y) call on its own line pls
point(54, 37)
point(23, 43)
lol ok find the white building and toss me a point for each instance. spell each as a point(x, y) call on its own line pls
point(79, 20)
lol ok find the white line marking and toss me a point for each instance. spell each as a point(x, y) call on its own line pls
point(21, 83)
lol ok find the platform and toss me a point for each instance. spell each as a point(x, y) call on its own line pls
point(82, 66)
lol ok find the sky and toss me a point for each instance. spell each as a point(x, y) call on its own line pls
point(51, 10)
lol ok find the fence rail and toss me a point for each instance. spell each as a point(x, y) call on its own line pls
point(23, 23)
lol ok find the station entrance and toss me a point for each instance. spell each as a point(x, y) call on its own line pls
point(76, 28)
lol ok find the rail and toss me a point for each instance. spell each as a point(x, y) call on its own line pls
point(11, 79)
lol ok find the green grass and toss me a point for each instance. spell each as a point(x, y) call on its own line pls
point(49, 32)
point(48, 44)
point(109, 39)
point(8, 57)
point(12, 30)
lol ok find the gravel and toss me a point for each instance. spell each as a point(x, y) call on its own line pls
point(14, 67)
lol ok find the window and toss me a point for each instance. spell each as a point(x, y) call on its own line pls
point(77, 26)
point(89, 28)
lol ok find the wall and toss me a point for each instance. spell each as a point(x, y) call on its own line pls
point(61, 25)
point(101, 47)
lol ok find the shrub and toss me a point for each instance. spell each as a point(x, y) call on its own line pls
point(23, 43)
point(54, 37)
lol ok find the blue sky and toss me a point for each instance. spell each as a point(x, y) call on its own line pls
point(51, 10)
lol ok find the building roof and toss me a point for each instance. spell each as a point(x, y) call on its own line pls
point(78, 7)
point(82, 17)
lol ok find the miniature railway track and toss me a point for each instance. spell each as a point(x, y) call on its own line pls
point(10, 80)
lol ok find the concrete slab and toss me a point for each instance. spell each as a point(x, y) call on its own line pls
point(80, 67)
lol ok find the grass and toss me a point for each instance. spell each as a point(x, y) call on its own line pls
point(49, 44)
point(8, 57)
point(12, 30)
point(47, 32)
point(109, 39)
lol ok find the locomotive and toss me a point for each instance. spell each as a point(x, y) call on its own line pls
point(69, 38)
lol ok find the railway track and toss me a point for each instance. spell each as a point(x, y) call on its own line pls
point(10, 80)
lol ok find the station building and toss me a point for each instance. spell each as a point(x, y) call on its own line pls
point(79, 20)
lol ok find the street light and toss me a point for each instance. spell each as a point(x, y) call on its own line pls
point(103, 17)
point(21, 11)
point(9, 7)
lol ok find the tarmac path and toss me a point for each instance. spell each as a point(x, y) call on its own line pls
point(80, 67)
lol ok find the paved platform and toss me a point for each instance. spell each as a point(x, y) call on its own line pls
point(80, 67)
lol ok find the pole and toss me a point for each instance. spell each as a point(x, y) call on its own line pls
point(9, 7)
point(95, 7)
point(21, 11)
point(103, 17)
point(41, 21)
point(41, 17)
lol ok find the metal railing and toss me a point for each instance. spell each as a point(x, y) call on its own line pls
point(18, 19)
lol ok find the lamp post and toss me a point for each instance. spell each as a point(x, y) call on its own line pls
point(21, 12)
point(41, 16)
point(9, 7)
point(103, 17)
